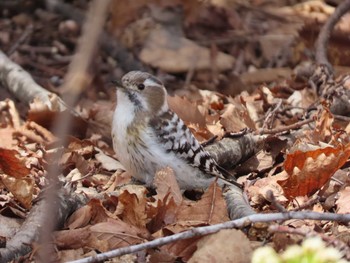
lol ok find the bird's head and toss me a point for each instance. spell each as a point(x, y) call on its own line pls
point(145, 91)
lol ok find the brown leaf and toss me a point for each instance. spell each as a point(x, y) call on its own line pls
point(73, 238)
point(228, 245)
point(79, 218)
point(134, 209)
point(236, 118)
point(323, 131)
point(107, 162)
point(113, 234)
point(11, 165)
point(36, 133)
point(44, 116)
point(182, 248)
point(188, 111)
point(166, 184)
point(211, 209)
point(258, 191)
point(82, 147)
point(71, 254)
point(309, 171)
point(168, 200)
point(6, 135)
point(21, 188)
point(162, 214)
point(175, 54)
point(343, 204)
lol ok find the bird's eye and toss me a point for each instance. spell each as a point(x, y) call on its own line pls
point(141, 86)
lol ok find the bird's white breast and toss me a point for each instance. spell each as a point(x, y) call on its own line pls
point(124, 115)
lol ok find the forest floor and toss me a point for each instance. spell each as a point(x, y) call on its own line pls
point(267, 79)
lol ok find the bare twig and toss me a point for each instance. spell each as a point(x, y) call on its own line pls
point(274, 202)
point(76, 80)
point(21, 39)
point(200, 231)
point(294, 126)
point(270, 116)
point(323, 38)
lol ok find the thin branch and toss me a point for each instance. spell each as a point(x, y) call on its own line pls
point(293, 126)
point(323, 38)
point(201, 231)
point(76, 79)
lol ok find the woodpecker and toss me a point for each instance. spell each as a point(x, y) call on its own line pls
point(148, 136)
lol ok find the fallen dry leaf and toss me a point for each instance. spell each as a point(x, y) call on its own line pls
point(166, 184)
point(228, 245)
point(182, 248)
point(36, 133)
point(113, 234)
point(258, 192)
point(134, 209)
point(11, 164)
point(210, 209)
point(21, 188)
point(308, 171)
point(6, 135)
point(176, 54)
point(73, 238)
point(343, 204)
point(187, 110)
point(236, 118)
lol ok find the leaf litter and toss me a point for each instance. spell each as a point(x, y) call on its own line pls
point(307, 168)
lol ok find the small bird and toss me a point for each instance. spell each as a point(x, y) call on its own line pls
point(148, 136)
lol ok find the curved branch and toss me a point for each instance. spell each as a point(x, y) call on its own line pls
point(323, 38)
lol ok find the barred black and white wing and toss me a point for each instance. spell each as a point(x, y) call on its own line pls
point(176, 137)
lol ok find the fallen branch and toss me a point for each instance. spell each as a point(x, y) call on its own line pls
point(28, 233)
point(206, 230)
point(231, 151)
point(323, 37)
point(21, 84)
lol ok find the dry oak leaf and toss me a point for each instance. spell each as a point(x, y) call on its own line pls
point(210, 209)
point(6, 135)
point(166, 184)
point(134, 209)
point(167, 201)
point(175, 54)
point(343, 203)
point(115, 233)
point(228, 245)
point(21, 188)
point(308, 171)
point(72, 238)
point(187, 110)
point(258, 192)
point(11, 164)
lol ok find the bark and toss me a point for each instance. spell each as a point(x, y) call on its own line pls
point(19, 245)
point(21, 84)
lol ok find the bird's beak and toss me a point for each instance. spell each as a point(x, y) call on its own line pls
point(117, 83)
